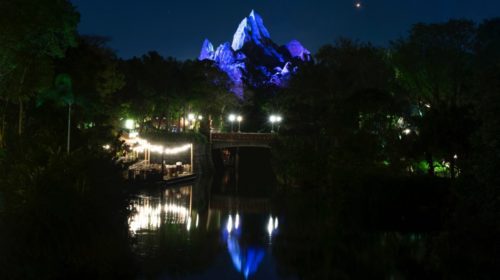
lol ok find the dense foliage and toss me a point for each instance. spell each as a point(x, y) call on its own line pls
point(364, 126)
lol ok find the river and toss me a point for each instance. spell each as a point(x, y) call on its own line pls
point(238, 225)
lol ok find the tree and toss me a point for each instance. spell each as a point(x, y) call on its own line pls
point(93, 68)
point(329, 123)
point(31, 35)
point(434, 66)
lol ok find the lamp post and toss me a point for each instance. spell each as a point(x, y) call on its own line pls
point(275, 119)
point(232, 118)
point(278, 120)
point(129, 124)
point(239, 119)
point(191, 118)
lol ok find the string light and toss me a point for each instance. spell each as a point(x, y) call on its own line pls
point(140, 145)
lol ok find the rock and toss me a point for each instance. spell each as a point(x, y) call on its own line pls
point(251, 28)
point(207, 51)
point(297, 50)
point(252, 58)
point(224, 55)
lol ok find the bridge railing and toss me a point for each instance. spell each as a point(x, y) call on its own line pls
point(247, 137)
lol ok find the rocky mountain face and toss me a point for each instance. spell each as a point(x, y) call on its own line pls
point(252, 58)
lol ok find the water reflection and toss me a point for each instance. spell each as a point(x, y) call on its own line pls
point(234, 231)
point(245, 258)
point(173, 206)
point(206, 231)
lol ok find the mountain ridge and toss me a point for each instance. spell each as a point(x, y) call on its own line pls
point(253, 58)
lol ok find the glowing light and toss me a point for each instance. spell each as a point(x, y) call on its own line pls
point(200, 117)
point(176, 150)
point(147, 217)
point(239, 118)
point(407, 131)
point(150, 213)
point(232, 118)
point(358, 5)
point(229, 225)
point(129, 124)
point(276, 223)
point(270, 226)
point(455, 156)
point(197, 220)
point(139, 145)
point(133, 134)
point(275, 118)
point(188, 224)
point(427, 105)
point(106, 147)
point(191, 117)
point(237, 221)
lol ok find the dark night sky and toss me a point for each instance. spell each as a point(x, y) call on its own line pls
point(177, 27)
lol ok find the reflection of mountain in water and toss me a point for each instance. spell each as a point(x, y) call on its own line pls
point(205, 231)
point(246, 243)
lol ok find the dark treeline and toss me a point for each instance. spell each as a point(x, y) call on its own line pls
point(375, 138)
point(63, 204)
point(402, 138)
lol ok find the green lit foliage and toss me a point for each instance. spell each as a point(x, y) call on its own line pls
point(434, 67)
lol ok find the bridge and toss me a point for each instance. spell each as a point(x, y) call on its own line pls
point(237, 139)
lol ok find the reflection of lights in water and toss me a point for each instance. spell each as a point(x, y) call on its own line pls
point(146, 217)
point(229, 225)
point(272, 225)
point(176, 210)
point(150, 213)
point(232, 224)
point(245, 260)
point(188, 225)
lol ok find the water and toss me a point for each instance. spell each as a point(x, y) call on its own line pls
point(221, 228)
point(237, 226)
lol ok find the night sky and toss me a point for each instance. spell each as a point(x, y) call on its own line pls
point(178, 27)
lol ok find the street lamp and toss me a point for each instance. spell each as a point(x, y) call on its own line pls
point(239, 119)
point(275, 119)
point(193, 119)
point(129, 124)
point(232, 118)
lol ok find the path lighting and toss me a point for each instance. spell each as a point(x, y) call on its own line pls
point(239, 119)
point(129, 124)
point(191, 117)
point(275, 119)
point(200, 117)
point(232, 118)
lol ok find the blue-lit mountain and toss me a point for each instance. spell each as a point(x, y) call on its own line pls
point(252, 58)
